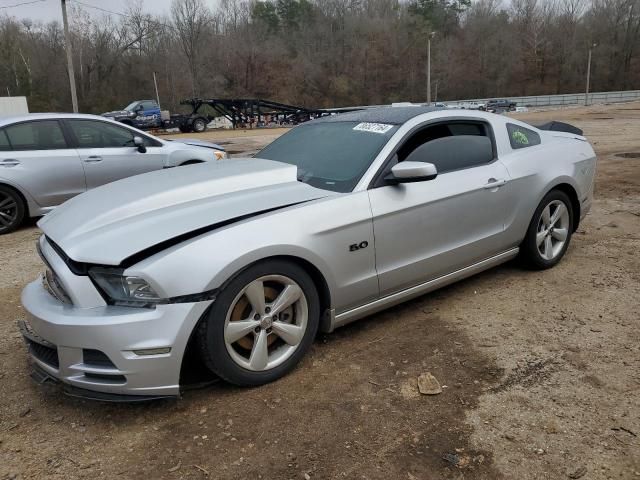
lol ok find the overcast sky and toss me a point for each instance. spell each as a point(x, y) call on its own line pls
point(48, 10)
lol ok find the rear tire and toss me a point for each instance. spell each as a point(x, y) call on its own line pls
point(12, 209)
point(199, 125)
point(261, 324)
point(549, 232)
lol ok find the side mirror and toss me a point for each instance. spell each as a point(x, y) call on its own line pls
point(139, 142)
point(408, 172)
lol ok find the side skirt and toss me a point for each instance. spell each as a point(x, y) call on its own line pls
point(413, 292)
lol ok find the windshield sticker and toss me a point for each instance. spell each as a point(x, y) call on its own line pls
point(373, 127)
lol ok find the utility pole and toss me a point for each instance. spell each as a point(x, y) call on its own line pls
point(586, 95)
point(435, 99)
point(67, 44)
point(155, 84)
point(429, 37)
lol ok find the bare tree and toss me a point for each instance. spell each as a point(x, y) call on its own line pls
point(191, 19)
point(324, 52)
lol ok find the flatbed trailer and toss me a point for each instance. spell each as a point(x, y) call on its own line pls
point(241, 112)
point(245, 112)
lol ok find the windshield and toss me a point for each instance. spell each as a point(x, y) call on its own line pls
point(330, 155)
point(131, 107)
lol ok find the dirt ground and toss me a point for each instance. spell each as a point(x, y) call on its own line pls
point(540, 373)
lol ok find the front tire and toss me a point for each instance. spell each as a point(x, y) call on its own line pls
point(261, 324)
point(549, 232)
point(12, 210)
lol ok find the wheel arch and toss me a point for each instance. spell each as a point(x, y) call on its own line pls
point(190, 358)
point(572, 193)
point(319, 280)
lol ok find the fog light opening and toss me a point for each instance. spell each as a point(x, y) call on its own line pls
point(152, 351)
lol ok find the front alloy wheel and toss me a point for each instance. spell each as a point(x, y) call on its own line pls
point(261, 323)
point(266, 322)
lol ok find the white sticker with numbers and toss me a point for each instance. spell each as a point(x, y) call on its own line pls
point(373, 127)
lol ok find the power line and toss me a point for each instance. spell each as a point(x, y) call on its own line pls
point(124, 15)
point(20, 4)
point(100, 8)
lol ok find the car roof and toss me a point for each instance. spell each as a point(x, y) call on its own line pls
point(388, 115)
point(48, 116)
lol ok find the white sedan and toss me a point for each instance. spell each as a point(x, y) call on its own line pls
point(46, 159)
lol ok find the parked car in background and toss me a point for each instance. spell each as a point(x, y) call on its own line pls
point(499, 106)
point(46, 159)
point(469, 105)
point(240, 265)
point(142, 114)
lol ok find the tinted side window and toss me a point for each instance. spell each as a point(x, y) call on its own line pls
point(454, 153)
point(91, 134)
point(521, 137)
point(4, 142)
point(149, 105)
point(40, 135)
point(470, 145)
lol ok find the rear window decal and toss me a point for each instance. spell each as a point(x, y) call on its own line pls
point(520, 137)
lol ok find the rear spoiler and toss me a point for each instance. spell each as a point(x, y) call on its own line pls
point(555, 126)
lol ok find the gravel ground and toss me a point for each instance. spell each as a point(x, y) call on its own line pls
point(540, 373)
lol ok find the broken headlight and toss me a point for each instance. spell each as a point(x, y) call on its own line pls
point(123, 290)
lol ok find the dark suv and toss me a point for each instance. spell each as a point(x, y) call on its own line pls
point(500, 106)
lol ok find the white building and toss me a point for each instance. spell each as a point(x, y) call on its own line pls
point(13, 106)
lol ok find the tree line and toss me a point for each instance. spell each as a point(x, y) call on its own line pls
point(323, 53)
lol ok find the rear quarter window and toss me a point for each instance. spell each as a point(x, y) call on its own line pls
point(521, 137)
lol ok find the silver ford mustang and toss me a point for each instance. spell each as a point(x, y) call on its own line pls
point(239, 263)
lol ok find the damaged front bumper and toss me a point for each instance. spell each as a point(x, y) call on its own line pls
point(108, 353)
point(42, 351)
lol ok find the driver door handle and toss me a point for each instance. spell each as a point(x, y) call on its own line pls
point(93, 159)
point(9, 162)
point(494, 183)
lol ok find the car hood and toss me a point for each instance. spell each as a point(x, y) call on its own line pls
point(196, 143)
point(109, 224)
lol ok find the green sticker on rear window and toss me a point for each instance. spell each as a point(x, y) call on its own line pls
point(519, 137)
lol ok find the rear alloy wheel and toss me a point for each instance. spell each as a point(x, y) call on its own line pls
point(261, 324)
point(199, 125)
point(12, 210)
point(550, 231)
